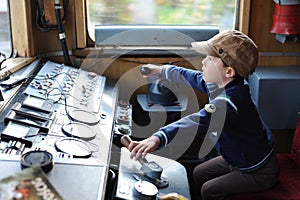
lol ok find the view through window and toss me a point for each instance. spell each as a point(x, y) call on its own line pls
point(161, 12)
point(5, 35)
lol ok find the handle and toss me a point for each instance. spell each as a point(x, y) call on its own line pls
point(125, 140)
point(145, 70)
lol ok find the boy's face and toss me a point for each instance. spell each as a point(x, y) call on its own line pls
point(214, 71)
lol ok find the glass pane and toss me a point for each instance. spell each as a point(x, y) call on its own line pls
point(161, 12)
point(5, 34)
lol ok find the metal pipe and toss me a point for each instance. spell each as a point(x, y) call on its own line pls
point(61, 32)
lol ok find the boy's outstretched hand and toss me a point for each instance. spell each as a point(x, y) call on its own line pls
point(153, 69)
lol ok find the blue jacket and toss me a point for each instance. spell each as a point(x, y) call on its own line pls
point(230, 118)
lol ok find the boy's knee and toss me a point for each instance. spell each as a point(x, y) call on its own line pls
point(208, 191)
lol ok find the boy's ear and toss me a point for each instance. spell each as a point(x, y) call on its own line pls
point(230, 72)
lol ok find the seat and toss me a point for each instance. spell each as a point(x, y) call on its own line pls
point(288, 186)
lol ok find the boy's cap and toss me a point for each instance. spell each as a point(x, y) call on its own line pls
point(235, 48)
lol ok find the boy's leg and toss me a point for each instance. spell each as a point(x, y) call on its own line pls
point(240, 182)
point(208, 170)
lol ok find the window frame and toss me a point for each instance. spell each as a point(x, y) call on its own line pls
point(10, 53)
point(83, 39)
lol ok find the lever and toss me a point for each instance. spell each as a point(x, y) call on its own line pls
point(150, 169)
point(145, 70)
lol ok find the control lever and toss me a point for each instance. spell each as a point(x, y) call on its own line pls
point(151, 169)
point(160, 90)
point(145, 70)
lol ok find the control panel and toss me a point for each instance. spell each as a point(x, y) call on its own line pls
point(64, 111)
point(61, 83)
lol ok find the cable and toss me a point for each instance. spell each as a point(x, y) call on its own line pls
point(41, 21)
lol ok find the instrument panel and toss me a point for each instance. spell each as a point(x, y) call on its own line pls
point(66, 111)
point(58, 82)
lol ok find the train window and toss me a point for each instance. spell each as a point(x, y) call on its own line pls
point(5, 34)
point(160, 12)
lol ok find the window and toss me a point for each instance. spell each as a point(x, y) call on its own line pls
point(161, 12)
point(5, 34)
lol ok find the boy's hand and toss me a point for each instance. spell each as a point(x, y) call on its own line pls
point(153, 69)
point(140, 149)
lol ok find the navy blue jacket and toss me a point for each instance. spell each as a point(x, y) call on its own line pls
point(230, 118)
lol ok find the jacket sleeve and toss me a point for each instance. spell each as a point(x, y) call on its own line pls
point(184, 76)
point(196, 123)
point(211, 119)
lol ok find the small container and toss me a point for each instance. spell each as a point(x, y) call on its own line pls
point(44, 159)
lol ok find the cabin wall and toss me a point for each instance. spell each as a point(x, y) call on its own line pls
point(35, 42)
point(271, 50)
point(272, 54)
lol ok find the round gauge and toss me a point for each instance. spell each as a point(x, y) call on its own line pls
point(78, 130)
point(83, 116)
point(74, 147)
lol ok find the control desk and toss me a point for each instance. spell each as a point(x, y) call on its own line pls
point(68, 112)
point(73, 115)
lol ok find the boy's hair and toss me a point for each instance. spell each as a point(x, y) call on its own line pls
point(236, 49)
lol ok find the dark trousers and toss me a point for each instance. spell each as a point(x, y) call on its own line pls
point(215, 179)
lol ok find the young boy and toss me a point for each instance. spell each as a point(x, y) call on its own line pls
point(246, 161)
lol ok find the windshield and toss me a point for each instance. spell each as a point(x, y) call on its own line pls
point(161, 12)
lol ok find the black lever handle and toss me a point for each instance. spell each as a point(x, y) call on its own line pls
point(145, 70)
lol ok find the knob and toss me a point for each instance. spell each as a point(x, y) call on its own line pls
point(126, 140)
point(145, 70)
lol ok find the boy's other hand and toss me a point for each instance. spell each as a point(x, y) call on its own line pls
point(142, 148)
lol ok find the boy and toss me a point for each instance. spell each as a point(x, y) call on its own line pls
point(246, 161)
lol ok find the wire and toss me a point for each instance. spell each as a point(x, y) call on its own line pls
point(41, 21)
